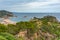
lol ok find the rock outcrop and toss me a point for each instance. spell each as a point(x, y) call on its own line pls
point(7, 21)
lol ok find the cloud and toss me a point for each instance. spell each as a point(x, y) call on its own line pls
point(30, 6)
point(39, 4)
point(53, 0)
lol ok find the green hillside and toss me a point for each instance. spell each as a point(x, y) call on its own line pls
point(45, 28)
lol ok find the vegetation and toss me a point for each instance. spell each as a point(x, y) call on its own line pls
point(46, 28)
point(4, 13)
point(6, 36)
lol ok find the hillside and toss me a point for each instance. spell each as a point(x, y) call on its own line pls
point(45, 28)
point(4, 15)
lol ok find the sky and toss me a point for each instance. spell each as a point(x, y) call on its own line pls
point(37, 6)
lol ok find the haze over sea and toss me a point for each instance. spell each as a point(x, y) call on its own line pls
point(20, 16)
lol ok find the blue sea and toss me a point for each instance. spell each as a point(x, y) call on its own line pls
point(28, 16)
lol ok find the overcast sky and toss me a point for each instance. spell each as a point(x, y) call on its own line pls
point(30, 5)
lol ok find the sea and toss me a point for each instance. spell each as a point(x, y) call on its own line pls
point(27, 16)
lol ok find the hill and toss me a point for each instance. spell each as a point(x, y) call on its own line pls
point(4, 13)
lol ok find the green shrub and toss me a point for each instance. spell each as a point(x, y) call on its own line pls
point(2, 38)
point(7, 36)
point(13, 29)
point(20, 38)
point(3, 28)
